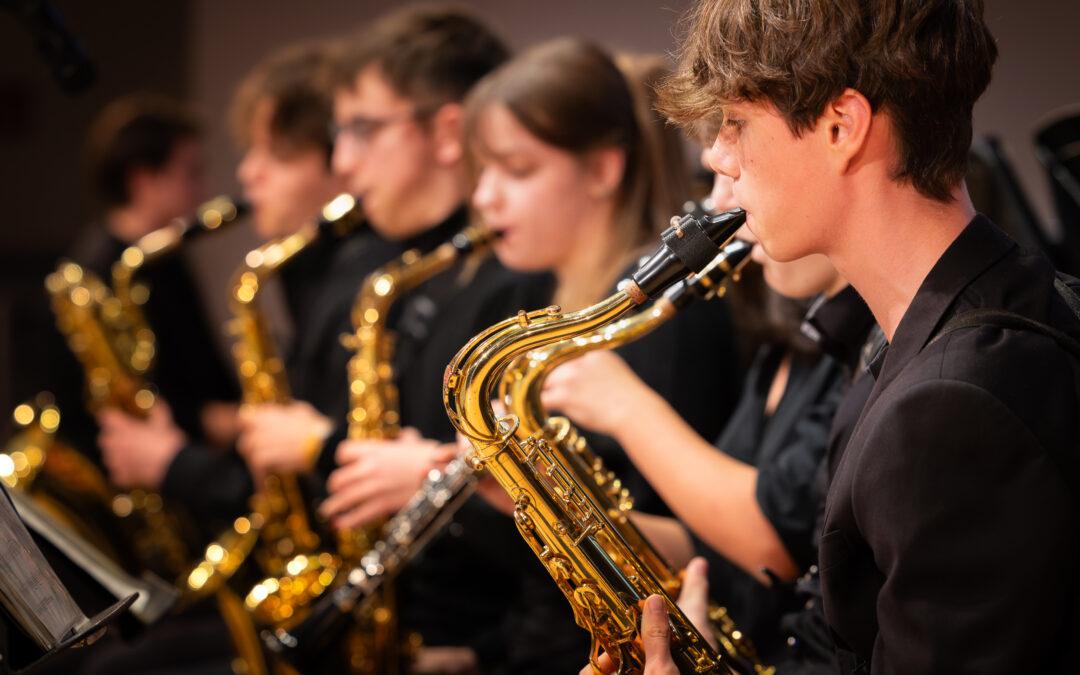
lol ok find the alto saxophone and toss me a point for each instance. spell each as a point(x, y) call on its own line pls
point(565, 525)
point(522, 385)
point(115, 347)
point(278, 511)
point(374, 414)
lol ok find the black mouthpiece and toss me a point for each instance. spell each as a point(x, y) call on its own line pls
point(689, 245)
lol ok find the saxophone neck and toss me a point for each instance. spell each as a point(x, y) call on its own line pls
point(374, 409)
point(523, 381)
point(210, 216)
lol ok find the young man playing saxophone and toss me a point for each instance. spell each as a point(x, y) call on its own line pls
point(399, 147)
point(950, 533)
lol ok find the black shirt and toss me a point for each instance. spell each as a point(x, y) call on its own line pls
point(788, 449)
point(950, 540)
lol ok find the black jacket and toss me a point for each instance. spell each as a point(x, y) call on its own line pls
point(950, 537)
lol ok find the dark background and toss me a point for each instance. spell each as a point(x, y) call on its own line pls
point(199, 50)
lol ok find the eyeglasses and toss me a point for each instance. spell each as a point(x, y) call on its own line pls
point(363, 129)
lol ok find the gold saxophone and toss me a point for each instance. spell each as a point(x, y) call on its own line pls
point(278, 511)
point(521, 389)
point(209, 217)
point(375, 647)
point(564, 523)
point(108, 332)
point(115, 347)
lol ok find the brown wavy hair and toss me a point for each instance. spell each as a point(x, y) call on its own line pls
point(429, 54)
point(297, 82)
point(924, 62)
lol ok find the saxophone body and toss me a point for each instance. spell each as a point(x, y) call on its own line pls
point(115, 347)
point(521, 389)
point(557, 514)
point(374, 414)
point(278, 513)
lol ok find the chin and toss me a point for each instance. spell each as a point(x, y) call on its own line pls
point(517, 261)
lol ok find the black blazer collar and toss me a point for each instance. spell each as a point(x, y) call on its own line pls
point(979, 246)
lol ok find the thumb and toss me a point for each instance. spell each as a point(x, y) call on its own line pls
point(655, 633)
point(694, 598)
point(161, 412)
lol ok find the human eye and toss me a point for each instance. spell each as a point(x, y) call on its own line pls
point(519, 167)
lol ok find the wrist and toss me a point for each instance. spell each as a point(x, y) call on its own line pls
point(312, 447)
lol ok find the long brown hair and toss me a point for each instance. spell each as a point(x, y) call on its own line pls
point(570, 94)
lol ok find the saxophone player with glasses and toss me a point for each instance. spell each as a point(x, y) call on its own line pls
point(399, 146)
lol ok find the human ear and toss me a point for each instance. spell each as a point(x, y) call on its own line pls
point(140, 181)
point(447, 128)
point(846, 122)
point(604, 169)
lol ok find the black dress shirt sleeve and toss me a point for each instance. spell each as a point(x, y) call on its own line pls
point(788, 490)
point(213, 485)
point(943, 545)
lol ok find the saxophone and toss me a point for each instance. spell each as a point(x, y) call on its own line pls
point(375, 414)
point(557, 514)
point(115, 347)
point(107, 331)
point(209, 217)
point(521, 389)
point(278, 511)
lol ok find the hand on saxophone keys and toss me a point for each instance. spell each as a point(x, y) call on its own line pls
point(655, 635)
point(137, 452)
point(278, 438)
point(375, 479)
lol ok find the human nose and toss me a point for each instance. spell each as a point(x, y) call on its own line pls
point(485, 196)
point(722, 160)
point(343, 158)
point(247, 171)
